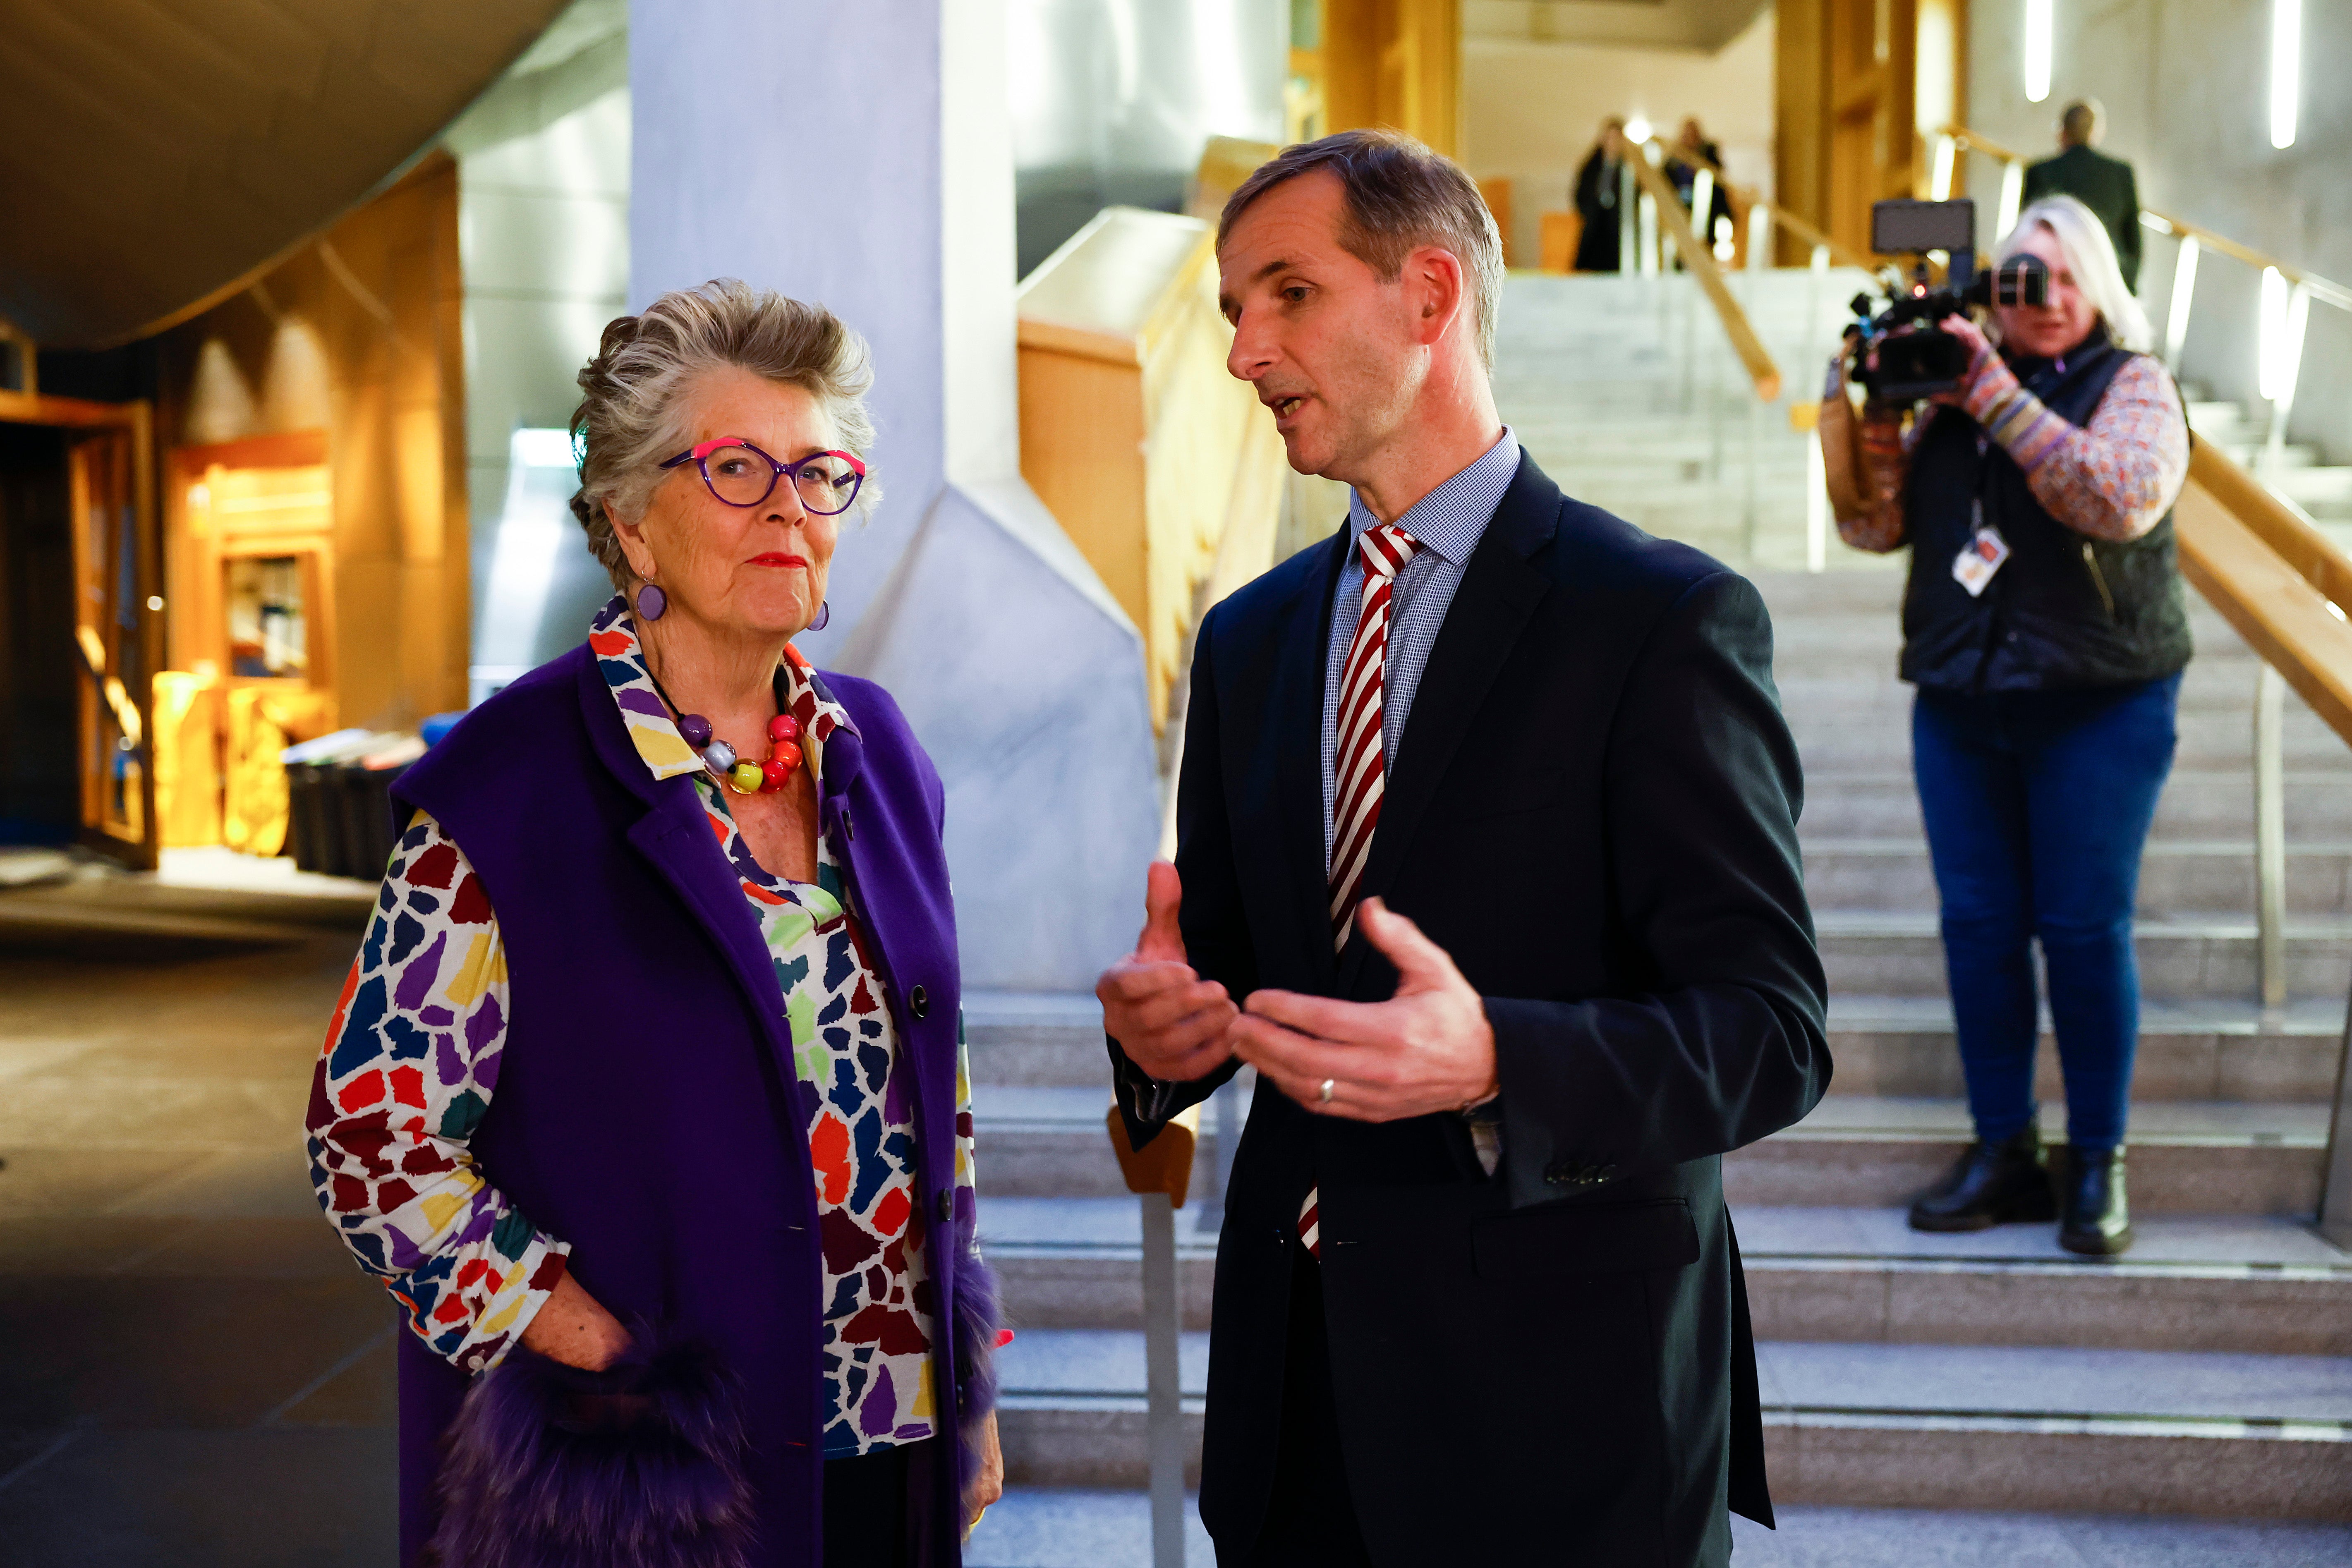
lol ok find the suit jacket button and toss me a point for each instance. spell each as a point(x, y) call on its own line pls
point(1558, 1174)
point(918, 1002)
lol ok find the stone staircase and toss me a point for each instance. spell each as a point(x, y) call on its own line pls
point(2207, 1371)
point(2321, 492)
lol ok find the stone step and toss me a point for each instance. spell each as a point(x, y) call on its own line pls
point(1854, 1151)
point(2186, 1157)
point(2229, 1283)
point(1051, 1141)
point(2191, 1282)
point(2199, 804)
point(2094, 1429)
point(1080, 1527)
point(2219, 1049)
point(1036, 1037)
point(1874, 954)
point(1903, 1047)
point(2175, 876)
point(1860, 725)
point(1069, 1527)
point(1884, 1425)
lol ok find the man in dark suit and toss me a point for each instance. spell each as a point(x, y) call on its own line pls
point(1487, 815)
point(2104, 184)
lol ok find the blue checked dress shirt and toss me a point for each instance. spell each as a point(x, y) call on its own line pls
point(1449, 521)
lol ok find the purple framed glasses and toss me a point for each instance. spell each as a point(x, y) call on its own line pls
point(740, 474)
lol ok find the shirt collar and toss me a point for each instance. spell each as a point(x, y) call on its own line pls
point(1452, 518)
point(621, 659)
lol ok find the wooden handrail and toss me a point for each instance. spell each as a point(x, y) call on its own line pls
point(2274, 578)
point(1701, 262)
point(1842, 254)
point(2334, 294)
point(2297, 541)
point(1164, 1163)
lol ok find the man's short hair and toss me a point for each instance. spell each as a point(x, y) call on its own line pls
point(2079, 122)
point(1400, 195)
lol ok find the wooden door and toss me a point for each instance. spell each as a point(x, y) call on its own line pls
point(1850, 96)
point(115, 622)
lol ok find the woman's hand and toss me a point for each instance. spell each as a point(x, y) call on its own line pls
point(988, 1485)
point(574, 1327)
point(1981, 354)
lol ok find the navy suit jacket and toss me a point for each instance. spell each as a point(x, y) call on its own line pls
point(1593, 809)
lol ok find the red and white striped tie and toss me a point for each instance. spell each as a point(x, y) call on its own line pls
point(1359, 768)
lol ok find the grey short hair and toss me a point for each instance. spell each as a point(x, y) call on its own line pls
point(629, 414)
point(2090, 255)
point(1400, 195)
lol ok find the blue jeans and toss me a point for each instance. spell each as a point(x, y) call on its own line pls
point(2037, 806)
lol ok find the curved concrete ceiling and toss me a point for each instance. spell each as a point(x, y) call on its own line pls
point(155, 154)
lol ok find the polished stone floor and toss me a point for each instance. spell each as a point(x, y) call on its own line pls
point(193, 1374)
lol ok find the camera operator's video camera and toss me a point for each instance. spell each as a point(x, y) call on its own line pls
point(1914, 357)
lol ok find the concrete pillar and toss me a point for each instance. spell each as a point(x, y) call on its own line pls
point(887, 121)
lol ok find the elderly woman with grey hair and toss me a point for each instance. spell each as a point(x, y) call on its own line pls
point(645, 1098)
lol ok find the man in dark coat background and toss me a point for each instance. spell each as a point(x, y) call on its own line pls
point(1599, 188)
point(2102, 183)
point(1490, 871)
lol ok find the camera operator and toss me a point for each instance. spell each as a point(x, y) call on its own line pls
point(2045, 629)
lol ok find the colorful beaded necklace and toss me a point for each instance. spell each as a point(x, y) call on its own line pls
point(739, 774)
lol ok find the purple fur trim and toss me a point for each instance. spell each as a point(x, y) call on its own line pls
point(977, 1321)
point(634, 1467)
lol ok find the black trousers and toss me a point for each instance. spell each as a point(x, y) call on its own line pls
point(865, 1510)
point(1310, 1519)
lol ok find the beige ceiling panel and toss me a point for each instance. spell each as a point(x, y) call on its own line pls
point(157, 152)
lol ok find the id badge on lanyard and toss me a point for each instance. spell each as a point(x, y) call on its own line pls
point(1981, 556)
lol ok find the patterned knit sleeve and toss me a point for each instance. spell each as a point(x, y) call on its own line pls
point(2113, 478)
point(408, 1067)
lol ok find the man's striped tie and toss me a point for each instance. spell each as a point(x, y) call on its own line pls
point(1360, 770)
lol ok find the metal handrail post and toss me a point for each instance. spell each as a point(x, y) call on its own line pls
point(2176, 311)
point(2270, 835)
point(1817, 508)
point(1162, 1324)
point(2012, 197)
point(1159, 1173)
point(2335, 1171)
point(2298, 318)
point(1628, 259)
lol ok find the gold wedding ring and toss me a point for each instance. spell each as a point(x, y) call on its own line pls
point(1325, 1093)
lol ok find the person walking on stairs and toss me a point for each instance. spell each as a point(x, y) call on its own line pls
point(1598, 191)
point(2045, 628)
point(1486, 862)
point(2105, 185)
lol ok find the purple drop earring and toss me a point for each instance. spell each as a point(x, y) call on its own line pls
point(651, 602)
point(824, 614)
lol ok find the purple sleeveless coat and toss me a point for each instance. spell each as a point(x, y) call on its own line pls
point(647, 1109)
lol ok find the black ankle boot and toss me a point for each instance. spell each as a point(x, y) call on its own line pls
point(2098, 1220)
point(1991, 1184)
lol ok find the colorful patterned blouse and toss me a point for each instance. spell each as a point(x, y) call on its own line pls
point(2113, 478)
point(412, 1061)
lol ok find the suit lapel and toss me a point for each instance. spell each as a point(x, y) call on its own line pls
point(1296, 731)
point(1499, 590)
